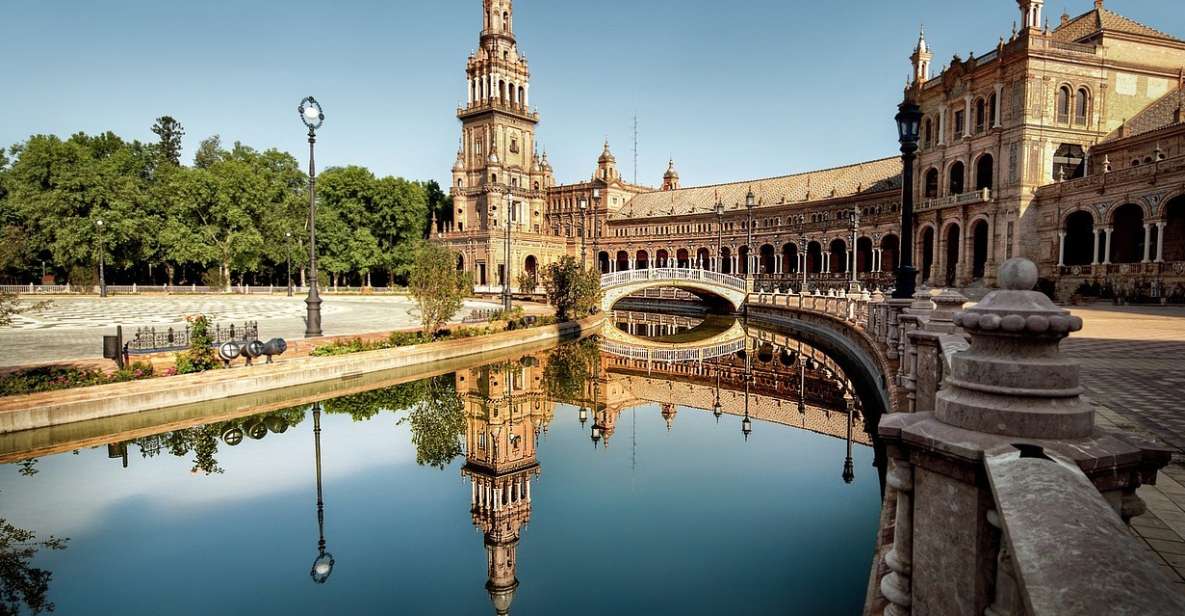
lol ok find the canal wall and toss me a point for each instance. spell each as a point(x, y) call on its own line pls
point(47, 409)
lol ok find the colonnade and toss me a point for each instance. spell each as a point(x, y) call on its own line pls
point(491, 495)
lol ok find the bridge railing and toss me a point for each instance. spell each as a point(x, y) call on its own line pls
point(615, 279)
point(667, 355)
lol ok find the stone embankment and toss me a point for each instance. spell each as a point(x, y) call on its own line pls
point(67, 406)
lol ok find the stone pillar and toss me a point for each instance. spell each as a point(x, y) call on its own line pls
point(1094, 251)
point(942, 124)
point(967, 116)
point(1011, 386)
point(1147, 242)
point(526, 95)
point(999, 105)
point(1061, 248)
point(896, 586)
point(1107, 245)
point(1160, 242)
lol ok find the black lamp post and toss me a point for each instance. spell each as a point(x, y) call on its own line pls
point(102, 273)
point(854, 220)
point(596, 230)
point(719, 234)
point(750, 203)
point(717, 408)
point(311, 115)
point(909, 117)
point(583, 232)
point(506, 297)
point(288, 247)
point(805, 255)
point(323, 564)
point(849, 470)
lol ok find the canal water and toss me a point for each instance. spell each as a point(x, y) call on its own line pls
point(568, 481)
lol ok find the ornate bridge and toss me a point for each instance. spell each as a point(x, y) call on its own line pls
point(708, 285)
point(621, 344)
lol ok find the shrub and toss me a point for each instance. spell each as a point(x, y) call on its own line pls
point(214, 279)
point(83, 277)
point(201, 355)
point(53, 378)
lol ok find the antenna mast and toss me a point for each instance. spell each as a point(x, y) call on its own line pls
point(635, 148)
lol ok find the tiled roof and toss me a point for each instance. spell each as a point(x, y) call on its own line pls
point(1159, 114)
point(862, 178)
point(1092, 22)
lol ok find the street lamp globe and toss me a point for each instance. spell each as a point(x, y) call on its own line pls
point(750, 199)
point(310, 113)
point(322, 567)
point(909, 118)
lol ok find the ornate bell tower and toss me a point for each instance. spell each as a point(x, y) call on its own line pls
point(498, 177)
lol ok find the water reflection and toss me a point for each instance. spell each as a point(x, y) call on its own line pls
point(495, 416)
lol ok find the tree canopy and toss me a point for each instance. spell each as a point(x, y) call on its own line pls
point(234, 215)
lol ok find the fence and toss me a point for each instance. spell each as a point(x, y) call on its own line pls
point(147, 340)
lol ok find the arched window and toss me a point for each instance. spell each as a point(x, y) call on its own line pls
point(929, 133)
point(980, 115)
point(931, 190)
point(992, 110)
point(1081, 106)
point(957, 174)
point(1063, 105)
point(984, 172)
point(505, 21)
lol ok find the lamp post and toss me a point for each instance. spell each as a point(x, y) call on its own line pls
point(596, 231)
point(854, 220)
point(102, 273)
point(849, 469)
point(323, 564)
point(288, 247)
point(750, 203)
point(717, 408)
point(506, 298)
point(909, 116)
point(719, 234)
point(583, 231)
point(746, 423)
point(312, 116)
point(805, 255)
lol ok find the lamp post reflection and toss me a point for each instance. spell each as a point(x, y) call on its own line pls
point(746, 423)
point(849, 470)
point(323, 564)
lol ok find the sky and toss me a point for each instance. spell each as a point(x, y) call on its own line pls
point(729, 90)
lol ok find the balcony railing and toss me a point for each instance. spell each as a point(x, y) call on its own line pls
point(982, 195)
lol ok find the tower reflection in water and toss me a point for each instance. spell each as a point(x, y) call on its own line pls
point(509, 406)
point(505, 413)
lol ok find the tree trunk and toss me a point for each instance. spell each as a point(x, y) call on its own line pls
point(170, 270)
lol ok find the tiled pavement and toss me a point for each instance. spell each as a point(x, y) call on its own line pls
point(1133, 368)
point(73, 327)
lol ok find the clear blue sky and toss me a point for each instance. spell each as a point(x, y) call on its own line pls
point(731, 90)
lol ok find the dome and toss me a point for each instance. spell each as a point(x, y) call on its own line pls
point(606, 156)
point(671, 174)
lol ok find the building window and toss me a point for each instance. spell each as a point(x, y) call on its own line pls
point(1063, 105)
point(931, 187)
point(980, 115)
point(1081, 106)
point(992, 102)
point(1069, 162)
point(929, 133)
point(960, 122)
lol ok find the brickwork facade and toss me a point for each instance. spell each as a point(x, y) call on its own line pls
point(1013, 142)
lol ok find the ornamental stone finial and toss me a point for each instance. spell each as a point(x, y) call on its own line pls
point(1013, 380)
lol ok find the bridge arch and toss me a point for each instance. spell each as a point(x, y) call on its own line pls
point(715, 288)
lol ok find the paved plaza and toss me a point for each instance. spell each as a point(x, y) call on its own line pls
point(73, 327)
point(1133, 368)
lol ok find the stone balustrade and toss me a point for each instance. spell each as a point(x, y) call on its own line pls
point(1003, 497)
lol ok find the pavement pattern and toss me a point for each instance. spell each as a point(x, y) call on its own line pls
point(72, 328)
point(1133, 369)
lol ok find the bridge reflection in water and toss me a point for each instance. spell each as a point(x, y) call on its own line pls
point(504, 410)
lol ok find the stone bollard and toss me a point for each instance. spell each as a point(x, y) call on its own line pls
point(939, 331)
point(1011, 395)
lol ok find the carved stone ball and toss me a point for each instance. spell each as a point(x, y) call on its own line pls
point(1018, 274)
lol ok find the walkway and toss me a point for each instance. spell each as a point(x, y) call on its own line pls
point(73, 327)
point(1133, 367)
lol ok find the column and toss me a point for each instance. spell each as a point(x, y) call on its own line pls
point(963, 271)
point(1094, 248)
point(967, 116)
point(1061, 248)
point(469, 87)
point(896, 586)
point(942, 124)
point(526, 95)
point(878, 260)
point(1147, 242)
point(777, 264)
point(999, 106)
point(1160, 242)
point(735, 261)
point(1107, 245)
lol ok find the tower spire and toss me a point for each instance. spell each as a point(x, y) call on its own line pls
point(921, 59)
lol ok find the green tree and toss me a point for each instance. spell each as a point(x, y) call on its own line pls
point(527, 282)
point(437, 423)
point(400, 222)
point(170, 132)
point(569, 370)
point(209, 152)
point(437, 286)
point(22, 584)
point(574, 291)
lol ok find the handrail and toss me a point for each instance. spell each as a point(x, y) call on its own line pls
point(616, 279)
